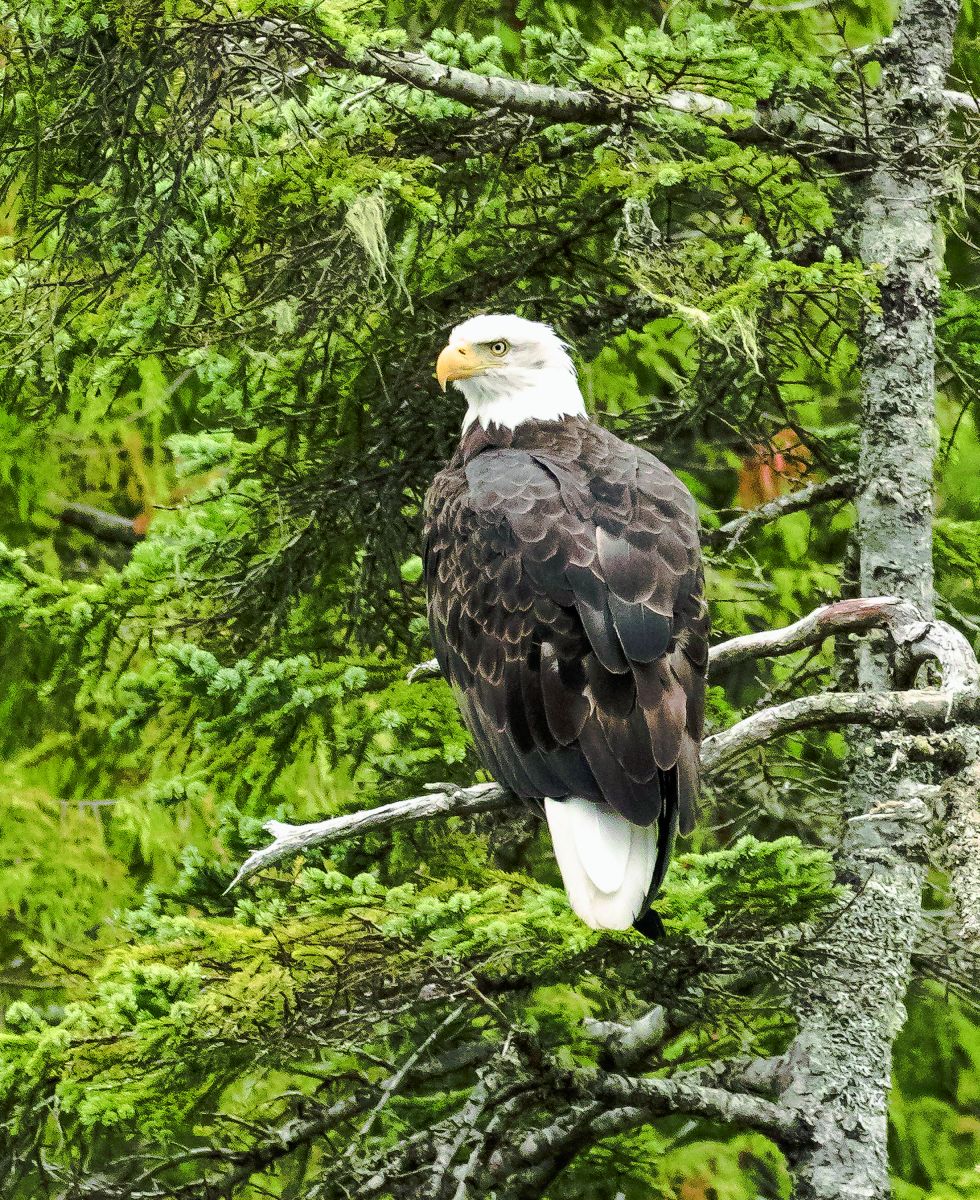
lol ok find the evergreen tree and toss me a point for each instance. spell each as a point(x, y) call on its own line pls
point(234, 238)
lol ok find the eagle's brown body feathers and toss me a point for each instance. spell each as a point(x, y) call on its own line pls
point(566, 605)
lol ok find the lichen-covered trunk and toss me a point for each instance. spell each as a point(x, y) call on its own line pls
point(894, 499)
point(840, 1065)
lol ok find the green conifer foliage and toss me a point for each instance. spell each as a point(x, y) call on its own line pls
point(227, 262)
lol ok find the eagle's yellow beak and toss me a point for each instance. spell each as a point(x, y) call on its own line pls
point(457, 362)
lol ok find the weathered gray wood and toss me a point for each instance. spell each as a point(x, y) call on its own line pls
point(919, 709)
point(289, 840)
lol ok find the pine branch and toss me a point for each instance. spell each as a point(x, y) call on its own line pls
point(238, 1166)
point(552, 103)
point(549, 103)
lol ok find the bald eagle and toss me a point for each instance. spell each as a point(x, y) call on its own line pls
point(566, 608)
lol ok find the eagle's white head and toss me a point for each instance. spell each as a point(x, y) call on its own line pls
point(510, 370)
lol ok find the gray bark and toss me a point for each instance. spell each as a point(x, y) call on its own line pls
point(959, 852)
point(839, 1068)
point(556, 104)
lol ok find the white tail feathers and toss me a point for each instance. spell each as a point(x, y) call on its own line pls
point(606, 862)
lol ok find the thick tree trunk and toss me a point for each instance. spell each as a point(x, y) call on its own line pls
point(840, 1065)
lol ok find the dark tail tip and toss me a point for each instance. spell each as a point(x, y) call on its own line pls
point(650, 925)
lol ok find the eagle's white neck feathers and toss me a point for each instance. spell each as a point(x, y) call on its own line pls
point(542, 395)
point(534, 381)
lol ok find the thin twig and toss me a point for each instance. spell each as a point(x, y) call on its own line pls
point(839, 487)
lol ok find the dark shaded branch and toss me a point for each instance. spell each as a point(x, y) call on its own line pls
point(105, 526)
point(840, 487)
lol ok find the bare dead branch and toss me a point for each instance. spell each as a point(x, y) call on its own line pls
point(923, 709)
point(903, 621)
point(420, 670)
point(451, 801)
point(926, 709)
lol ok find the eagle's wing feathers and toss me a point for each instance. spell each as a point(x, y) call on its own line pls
point(569, 618)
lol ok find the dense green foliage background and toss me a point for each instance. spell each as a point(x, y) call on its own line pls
point(223, 283)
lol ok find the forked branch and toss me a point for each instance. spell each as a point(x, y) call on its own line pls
point(923, 639)
point(922, 709)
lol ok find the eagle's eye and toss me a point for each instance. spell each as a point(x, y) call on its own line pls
point(499, 347)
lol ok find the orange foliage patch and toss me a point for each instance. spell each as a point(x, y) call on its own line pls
point(773, 469)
